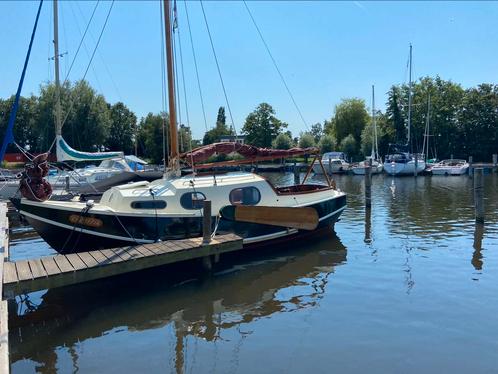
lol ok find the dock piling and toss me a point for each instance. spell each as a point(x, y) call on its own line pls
point(368, 183)
point(206, 222)
point(470, 166)
point(415, 171)
point(495, 162)
point(67, 183)
point(296, 174)
point(479, 194)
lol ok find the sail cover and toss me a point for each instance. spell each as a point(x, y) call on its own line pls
point(249, 152)
point(66, 153)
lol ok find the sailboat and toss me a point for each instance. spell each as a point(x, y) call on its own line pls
point(402, 161)
point(172, 207)
point(375, 161)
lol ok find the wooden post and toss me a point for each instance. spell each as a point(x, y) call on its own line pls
point(415, 172)
point(495, 162)
point(206, 222)
point(67, 183)
point(479, 194)
point(471, 171)
point(296, 174)
point(368, 183)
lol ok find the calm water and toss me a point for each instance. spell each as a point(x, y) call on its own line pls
point(409, 287)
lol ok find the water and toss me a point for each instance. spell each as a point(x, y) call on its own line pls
point(410, 286)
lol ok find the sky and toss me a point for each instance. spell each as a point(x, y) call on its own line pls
point(326, 51)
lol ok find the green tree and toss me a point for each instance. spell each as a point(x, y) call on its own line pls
point(150, 137)
point(261, 126)
point(395, 116)
point(184, 138)
point(479, 122)
point(327, 143)
point(306, 140)
point(282, 141)
point(220, 129)
point(349, 146)
point(122, 130)
point(350, 118)
point(25, 132)
point(316, 131)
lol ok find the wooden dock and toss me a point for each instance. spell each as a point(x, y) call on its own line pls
point(34, 274)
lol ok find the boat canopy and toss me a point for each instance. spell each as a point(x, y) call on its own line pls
point(248, 152)
point(66, 153)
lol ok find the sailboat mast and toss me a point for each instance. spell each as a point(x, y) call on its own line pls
point(58, 119)
point(410, 100)
point(373, 123)
point(174, 162)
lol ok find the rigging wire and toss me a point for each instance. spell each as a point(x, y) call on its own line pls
point(81, 41)
point(177, 32)
point(275, 65)
point(218, 67)
point(91, 58)
point(106, 66)
point(195, 64)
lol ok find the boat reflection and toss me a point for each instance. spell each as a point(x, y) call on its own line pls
point(242, 291)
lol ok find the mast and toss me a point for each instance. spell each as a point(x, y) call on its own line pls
point(374, 128)
point(174, 162)
point(58, 122)
point(410, 101)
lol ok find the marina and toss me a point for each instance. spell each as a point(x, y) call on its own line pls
point(395, 254)
point(186, 225)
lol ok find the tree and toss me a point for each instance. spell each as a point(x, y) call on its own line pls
point(282, 141)
point(184, 138)
point(25, 132)
point(150, 138)
point(261, 126)
point(327, 143)
point(122, 130)
point(349, 146)
point(306, 140)
point(350, 118)
point(395, 116)
point(219, 130)
point(316, 131)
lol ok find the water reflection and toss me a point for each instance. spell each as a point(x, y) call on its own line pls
point(239, 293)
point(477, 256)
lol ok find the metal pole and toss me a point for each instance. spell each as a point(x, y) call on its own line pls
point(479, 194)
point(410, 102)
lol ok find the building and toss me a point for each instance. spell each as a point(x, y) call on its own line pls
point(233, 138)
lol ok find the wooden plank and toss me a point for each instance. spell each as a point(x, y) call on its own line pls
point(9, 272)
point(63, 264)
point(144, 251)
point(76, 262)
point(50, 266)
point(37, 268)
point(4, 338)
point(134, 252)
point(99, 257)
point(23, 270)
point(87, 258)
point(115, 265)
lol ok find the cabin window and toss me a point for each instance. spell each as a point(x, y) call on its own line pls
point(245, 196)
point(148, 204)
point(192, 200)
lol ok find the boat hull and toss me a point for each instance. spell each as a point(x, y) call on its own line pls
point(450, 171)
point(69, 230)
point(404, 168)
point(360, 170)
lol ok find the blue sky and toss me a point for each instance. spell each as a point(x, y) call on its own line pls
point(325, 50)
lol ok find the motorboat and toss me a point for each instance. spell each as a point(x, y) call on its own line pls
point(333, 162)
point(359, 169)
point(450, 167)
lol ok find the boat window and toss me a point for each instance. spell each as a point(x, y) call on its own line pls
point(192, 200)
point(245, 196)
point(149, 204)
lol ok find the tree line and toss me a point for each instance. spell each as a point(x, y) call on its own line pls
point(463, 122)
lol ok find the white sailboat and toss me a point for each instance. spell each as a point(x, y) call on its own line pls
point(171, 208)
point(402, 161)
point(374, 160)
